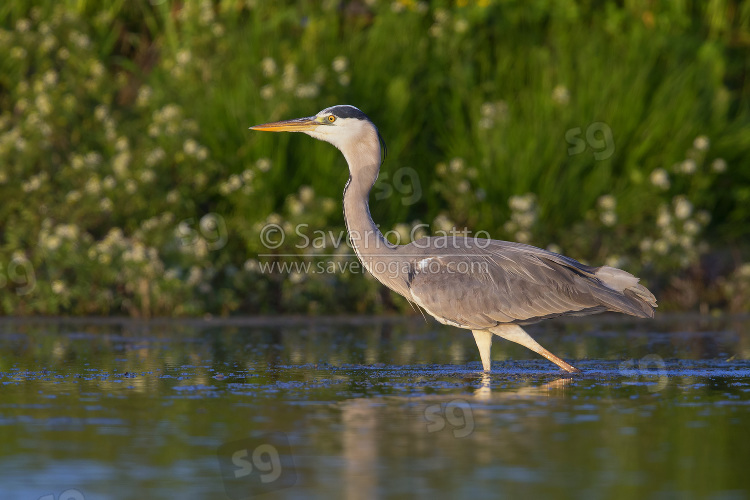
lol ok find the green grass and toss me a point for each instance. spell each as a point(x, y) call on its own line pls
point(134, 117)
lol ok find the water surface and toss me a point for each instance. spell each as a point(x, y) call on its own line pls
point(372, 408)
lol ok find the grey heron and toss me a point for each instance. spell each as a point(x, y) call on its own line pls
point(490, 287)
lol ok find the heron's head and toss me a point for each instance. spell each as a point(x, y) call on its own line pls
point(344, 126)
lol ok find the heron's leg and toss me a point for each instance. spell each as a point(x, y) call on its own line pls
point(516, 334)
point(483, 339)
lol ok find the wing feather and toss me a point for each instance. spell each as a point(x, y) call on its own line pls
point(506, 282)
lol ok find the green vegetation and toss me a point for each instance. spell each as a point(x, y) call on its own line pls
point(130, 184)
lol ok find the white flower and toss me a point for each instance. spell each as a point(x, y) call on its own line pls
point(719, 165)
point(93, 186)
point(663, 220)
point(144, 95)
point(23, 25)
point(443, 223)
point(661, 247)
point(48, 43)
point(660, 178)
point(523, 236)
point(461, 26)
point(18, 53)
point(561, 95)
point(456, 165)
point(43, 104)
point(121, 144)
point(295, 206)
point(485, 123)
point(340, 64)
point(263, 164)
point(269, 67)
point(614, 261)
point(101, 112)
point(344, 79)
point(289, 78)
point(609, 219)
point(682, 207)
point(67, 231)
point(50, 78)
point(701, 143)
point(52, 242)
point(155, 156)
point(522, 203)
point(487, 109)
point(79, 39)
point(691, 227)
point(307, 91)
point(97, 69)
point(190, 146)
point(120, 164)
point(93, 159)
point(266, 92)
point(646, 244)
point(524, 219)
point(231, 185)
point(606, 202)
point(328, 205)
point(147, 176)
point(306, 194)
point(183, 57)
point(441, 15)
point(688, 166)
point(58, 287)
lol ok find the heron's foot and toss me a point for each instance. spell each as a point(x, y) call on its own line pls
point(570, 368)
point(516, 334)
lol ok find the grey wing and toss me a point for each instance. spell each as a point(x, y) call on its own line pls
point(512, 283)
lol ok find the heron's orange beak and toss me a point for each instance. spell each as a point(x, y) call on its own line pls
point(296, 125)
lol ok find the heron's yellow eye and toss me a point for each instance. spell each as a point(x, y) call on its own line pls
point(331, 118)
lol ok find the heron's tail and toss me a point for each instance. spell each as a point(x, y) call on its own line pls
point(633, 299)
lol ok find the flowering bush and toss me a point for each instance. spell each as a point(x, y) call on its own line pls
point(130, 185)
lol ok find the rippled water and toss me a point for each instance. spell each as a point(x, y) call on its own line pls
point(372, 408)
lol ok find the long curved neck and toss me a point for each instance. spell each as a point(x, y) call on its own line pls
point(375, 252)
point(368, 242)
